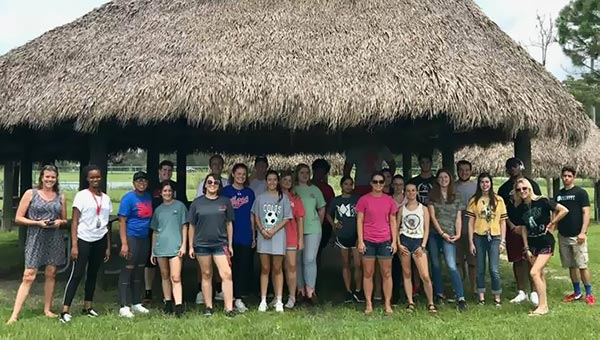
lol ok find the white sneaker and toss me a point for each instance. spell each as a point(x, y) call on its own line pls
point(240, 306)
point(125, 312)
point(65, 318)
point(279, 307)
point(199, 298)
point(273, 302)
point(139, 309)
point(522, 296)
point(290, 303)
point(263, 306)
point(219, 296)
point(533, 297)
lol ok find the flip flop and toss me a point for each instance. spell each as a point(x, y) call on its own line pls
point(534, 313)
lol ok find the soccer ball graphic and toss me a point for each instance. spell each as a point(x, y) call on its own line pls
point(271, 218)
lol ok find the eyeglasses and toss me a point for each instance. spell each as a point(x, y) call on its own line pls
point(378, 182)
point(522, 189)
point(211, 182)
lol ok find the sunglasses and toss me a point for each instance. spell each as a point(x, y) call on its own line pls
point(522, 189)
point(378, 182)
point(211, 182)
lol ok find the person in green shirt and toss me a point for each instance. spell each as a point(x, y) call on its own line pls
point(314, 208)
point(169, 223)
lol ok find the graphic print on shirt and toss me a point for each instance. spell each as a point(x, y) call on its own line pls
point(411, 223)
point(144, 209)
point(563, 198)
point(486, 212)
point(272, 215)
point(346, 210)
point(424, 189)
point(534, 229)
point(238, 201)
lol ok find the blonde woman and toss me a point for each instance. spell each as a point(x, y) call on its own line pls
point(539, 216)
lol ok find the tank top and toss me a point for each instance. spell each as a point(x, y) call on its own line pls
point(413, 222)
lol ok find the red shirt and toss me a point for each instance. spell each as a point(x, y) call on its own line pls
point(291, 229)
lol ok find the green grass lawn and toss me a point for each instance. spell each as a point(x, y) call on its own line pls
point(330, 320)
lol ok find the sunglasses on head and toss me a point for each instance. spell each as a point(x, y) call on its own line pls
point(211, 182)
point(378, 181)
point(522, 189)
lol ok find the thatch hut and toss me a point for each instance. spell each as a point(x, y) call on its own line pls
point(275, 76)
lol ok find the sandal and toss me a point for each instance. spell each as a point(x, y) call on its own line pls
point(481, 302)
point(431, 308)
point(410, 307)
point(497, 303)
point(536, 313)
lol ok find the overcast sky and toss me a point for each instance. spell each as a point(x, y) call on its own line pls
point(23, 20)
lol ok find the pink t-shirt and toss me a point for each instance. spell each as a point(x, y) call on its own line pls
point(377, 211)
point(291, 229)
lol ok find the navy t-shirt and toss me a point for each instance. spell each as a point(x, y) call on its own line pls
point(242, 201)
point(138, 211)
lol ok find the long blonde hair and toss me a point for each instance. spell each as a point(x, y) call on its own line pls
point(532, 195)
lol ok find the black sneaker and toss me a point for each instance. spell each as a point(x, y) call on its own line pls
point(148, 296)
point(208, 312)
point(90, 312)
point(65, 317)
point(451, 299)
point(168, 307)
point(179, 310)
point(230, 313)
point(439, 300)
point(461, 305)
point(348, 297)
point(359, 296)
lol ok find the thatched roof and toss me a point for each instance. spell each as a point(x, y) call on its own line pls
point(548, 156)
point(292, 64)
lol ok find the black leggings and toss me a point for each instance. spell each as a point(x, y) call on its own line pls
point(91, 255)
point(131, 279)
point(242, 266)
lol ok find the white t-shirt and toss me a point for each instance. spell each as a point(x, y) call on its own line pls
point(87, 204)
point(199, 192)
point(367, 159)
point(259, 186)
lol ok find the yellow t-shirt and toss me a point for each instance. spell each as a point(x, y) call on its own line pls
point(485, 218)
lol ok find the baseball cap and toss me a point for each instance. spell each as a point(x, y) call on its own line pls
point(139, 175)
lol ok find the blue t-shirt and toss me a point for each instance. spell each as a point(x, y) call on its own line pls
point(242, 201)
point(138, 210)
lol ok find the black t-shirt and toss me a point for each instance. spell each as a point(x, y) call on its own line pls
point(507, 192)
point(536, 218)
point(424, 186)
point(573, 199)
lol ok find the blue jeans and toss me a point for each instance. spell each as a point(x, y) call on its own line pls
point(491, 248)
point(306, 261)
point(435, 244)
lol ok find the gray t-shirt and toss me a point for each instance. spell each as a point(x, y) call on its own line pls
point(466, 190)
point(343, 210)
point(167, 222)
point(209, 218)
point(271, 210)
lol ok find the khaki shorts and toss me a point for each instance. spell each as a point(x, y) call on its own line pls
point(572, 254)
point(463, 253)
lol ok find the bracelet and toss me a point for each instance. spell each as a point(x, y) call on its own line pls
point(526, 248)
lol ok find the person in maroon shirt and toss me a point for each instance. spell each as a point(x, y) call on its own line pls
point(320, 170)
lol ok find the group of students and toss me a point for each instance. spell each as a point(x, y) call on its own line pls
point(288, 217)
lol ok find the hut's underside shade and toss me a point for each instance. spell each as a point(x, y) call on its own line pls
point(290, 64)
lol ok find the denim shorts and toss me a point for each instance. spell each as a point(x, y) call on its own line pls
point(211, 251)
point(381, 250)
point(411, 243)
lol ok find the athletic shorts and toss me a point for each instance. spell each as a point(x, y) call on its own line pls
point(463, 252)
point(211, 251)
point(514, 246)
point(345, 243)
point(411, 243)
point(381, 250)
point(545, 250)
point(572, 254)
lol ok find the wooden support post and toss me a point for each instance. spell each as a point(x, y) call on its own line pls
point(7, 200)
point(182, 174)
point(152, 161)
point(26, 180)
point(448, 146)
point(522, 150)
point(84, 160)
point(407, 165)
point(555, 186)
point(99, 155)
point(597, 201)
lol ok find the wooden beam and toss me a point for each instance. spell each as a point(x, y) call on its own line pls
point(7, 200)
point(181, 169)
point(407, 165)
point(99, 155)
point(555, 186)
point(26, 180)
point(522, 143)
point(447, 147)
point(84, 161)
point(597, 201)
point(152, 161)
